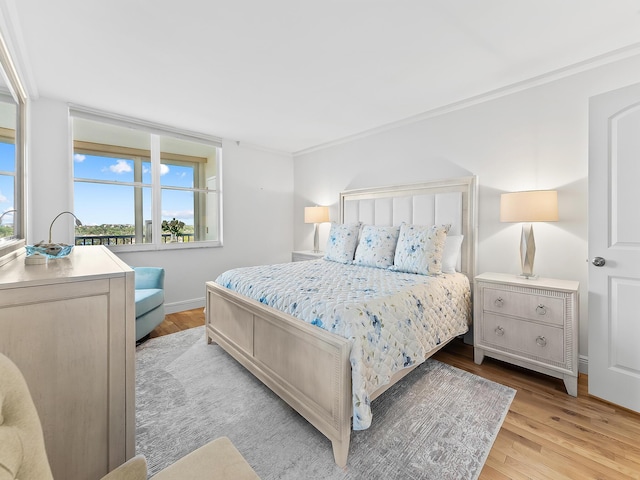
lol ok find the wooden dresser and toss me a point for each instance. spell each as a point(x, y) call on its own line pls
point(531, 323)
point(69, 325)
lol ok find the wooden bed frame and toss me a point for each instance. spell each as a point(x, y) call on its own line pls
point(309, 368)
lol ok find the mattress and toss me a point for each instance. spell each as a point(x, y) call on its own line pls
point(392, 319)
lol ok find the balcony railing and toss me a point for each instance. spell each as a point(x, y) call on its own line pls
point(126, 239)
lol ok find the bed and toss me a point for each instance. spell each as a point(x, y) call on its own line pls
point(309, 367)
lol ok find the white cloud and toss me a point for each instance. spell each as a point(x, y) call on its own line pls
point(2, 198)
point(78, 157)
point(121, 167)
point(164, 169)
point(179, 214)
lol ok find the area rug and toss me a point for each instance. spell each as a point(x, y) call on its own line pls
point(439, 422)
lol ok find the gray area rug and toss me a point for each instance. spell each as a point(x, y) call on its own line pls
point(439, 422)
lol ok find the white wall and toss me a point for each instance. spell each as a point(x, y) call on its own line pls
point(532, 139)
point(257, 208)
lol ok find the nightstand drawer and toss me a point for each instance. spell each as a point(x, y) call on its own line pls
point(525, 305)
point(530, 339)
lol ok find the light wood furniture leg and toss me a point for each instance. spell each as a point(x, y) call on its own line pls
point(571, 384)
point(478, 355)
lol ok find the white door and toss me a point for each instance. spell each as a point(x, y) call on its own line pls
point(614, 247)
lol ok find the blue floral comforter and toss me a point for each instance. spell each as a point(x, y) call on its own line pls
point(393, 319)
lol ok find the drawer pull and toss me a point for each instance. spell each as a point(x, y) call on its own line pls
point(541, 341)
point(541, 310)
point(498, 302)
point(499, 331)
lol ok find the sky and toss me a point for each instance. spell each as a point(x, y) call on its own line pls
point(8, 165)
point(95, 204)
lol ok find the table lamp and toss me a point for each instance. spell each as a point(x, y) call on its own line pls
point(316, 215)
point(527, 207)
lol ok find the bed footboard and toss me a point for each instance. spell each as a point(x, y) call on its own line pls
point(304, 365)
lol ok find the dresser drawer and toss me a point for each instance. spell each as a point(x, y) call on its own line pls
point(530, 339)
point(525, 305)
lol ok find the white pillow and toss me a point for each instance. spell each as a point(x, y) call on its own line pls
point(420, 248)
point(342, 242)
point(377, 246)
point(451, 253)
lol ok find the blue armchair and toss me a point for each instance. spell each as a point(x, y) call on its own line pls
point(149, 290)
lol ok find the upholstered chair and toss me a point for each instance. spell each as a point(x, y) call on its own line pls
point(23, 455)
point(149, 293)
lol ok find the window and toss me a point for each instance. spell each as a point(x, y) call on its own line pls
point(140, 186)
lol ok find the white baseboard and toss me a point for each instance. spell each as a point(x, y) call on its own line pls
point(583, 364)
point(183, 305)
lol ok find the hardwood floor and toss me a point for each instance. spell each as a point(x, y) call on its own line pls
point(546, 435)
point(175, 322)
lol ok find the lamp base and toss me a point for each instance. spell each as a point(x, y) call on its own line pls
point(35, 259)
point(528, 277)
point(527, 250)
point(316, 238)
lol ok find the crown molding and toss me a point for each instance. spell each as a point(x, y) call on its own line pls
point(261, 148)
point(12, 33)
point(589, 64)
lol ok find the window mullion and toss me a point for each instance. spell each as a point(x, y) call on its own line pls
point(137, 193)
point(156, 192)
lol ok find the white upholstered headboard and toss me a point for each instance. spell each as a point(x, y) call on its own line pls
point(450, 201)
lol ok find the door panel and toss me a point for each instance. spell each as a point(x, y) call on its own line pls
point(625, 168)
point(614, 234)
point(625, 332)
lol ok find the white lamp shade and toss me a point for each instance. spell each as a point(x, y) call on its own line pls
point(531, 206)
point(316, 214)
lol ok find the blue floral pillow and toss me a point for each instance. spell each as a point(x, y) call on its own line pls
point(420, 248)
point(377, 246)
point(342, 242)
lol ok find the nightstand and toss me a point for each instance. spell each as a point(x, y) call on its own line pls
point(530, 323)
point(301, 255)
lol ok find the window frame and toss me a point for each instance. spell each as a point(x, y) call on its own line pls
point(155, 132)
point(8, 136)
point(11, 136)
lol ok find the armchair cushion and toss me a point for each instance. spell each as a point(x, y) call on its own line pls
point(133, 469)
point(22, 452)
point(10, 453)
point(217, 460)
point(148, 299)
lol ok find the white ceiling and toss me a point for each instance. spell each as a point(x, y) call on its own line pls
point(294, 74)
